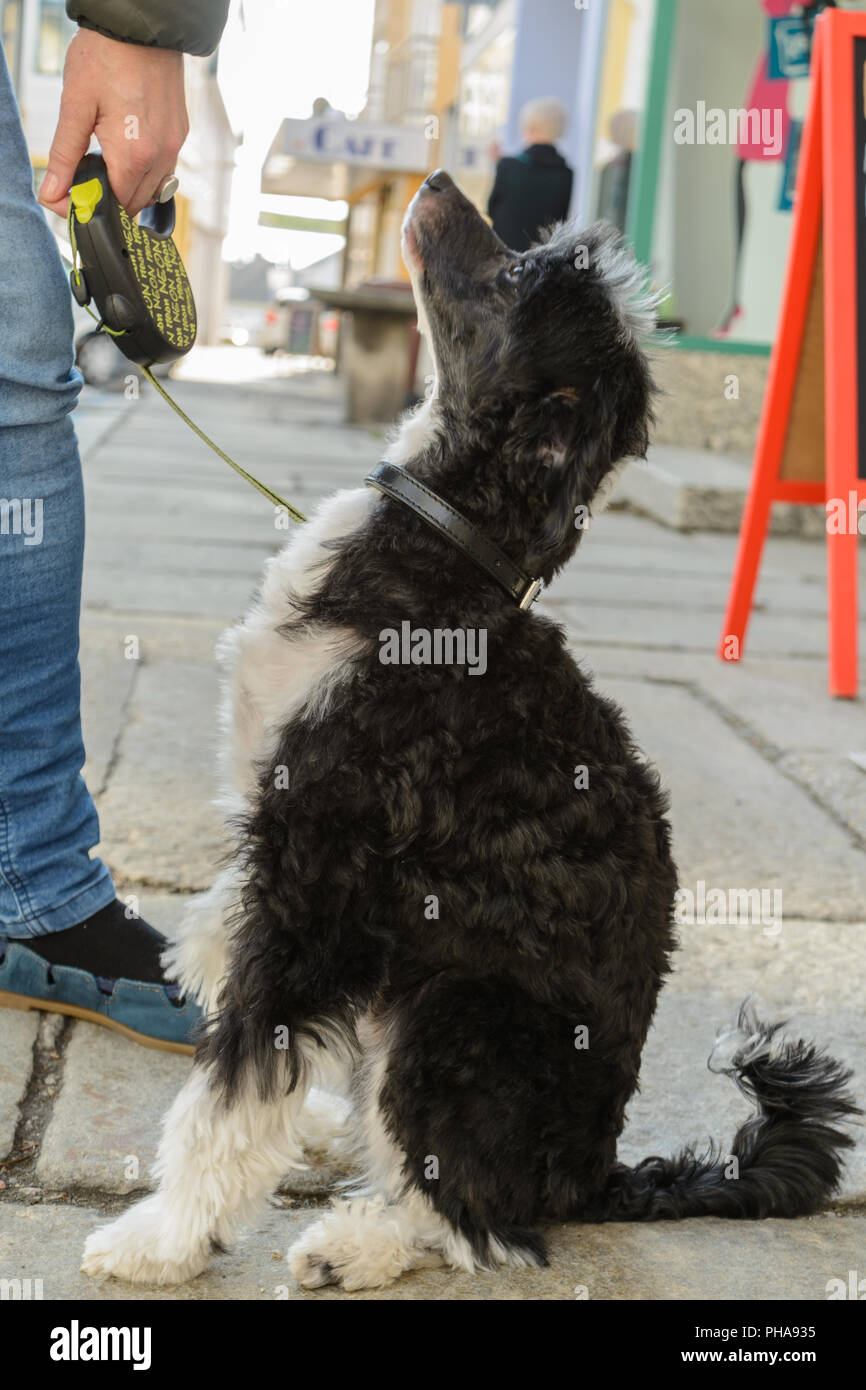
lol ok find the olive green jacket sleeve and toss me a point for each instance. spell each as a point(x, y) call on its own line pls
point(192, 26)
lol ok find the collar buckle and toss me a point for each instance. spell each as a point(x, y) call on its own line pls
point(530, 594)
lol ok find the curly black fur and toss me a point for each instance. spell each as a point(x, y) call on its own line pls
point(555, 903)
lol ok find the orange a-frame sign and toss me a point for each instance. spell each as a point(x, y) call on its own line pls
point(811, 444)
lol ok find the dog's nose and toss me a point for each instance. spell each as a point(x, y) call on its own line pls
point(439, 181)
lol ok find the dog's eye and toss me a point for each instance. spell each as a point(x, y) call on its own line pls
point(515, 271)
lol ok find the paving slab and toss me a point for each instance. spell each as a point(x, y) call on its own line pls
point(780, 707)
point(810, 974)
point(708, 1259)
point(17, 1036)
point(158, 819)
point(622, 539)
point(192, 594)
point(107, 680)
point(774, 634)
point(737, 820)
point(606, 660)
point(837, 782)
point(190, 639)
point(183, 560)
point(651, 588)
point(785, 707)
point(96, 417)
point(785, 703)
point(104, 1128)
point(212, 520)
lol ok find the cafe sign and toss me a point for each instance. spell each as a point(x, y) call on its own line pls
point(362, 144)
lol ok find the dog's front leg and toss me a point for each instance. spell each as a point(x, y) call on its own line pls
point(217, 1163)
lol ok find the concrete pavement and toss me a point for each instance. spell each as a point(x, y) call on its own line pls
point(765, 795)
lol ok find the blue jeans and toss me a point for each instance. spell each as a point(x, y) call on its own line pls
point(48, 822)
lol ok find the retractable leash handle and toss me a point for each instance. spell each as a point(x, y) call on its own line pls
point(134, 274)
point(132, 270)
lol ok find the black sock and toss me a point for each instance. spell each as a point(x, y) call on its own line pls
point(108, 944)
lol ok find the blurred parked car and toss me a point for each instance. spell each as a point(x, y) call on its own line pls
point(295, 322)
point(100, 361)
point(97, 356)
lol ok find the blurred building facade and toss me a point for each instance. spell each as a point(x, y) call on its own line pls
point(35, 36)
point(624, 70)
point(376, 162)
point(709, 213)
point(458, 75)
point(447, 82)
point(205, 168)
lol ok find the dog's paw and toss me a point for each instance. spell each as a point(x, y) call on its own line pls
point(359, 1245)
point(137, 1248)
point(310, 1268)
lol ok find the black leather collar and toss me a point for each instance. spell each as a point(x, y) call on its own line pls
point(424, 502)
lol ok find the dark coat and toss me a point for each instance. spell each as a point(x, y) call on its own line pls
point(530, 191)
point(193, 26)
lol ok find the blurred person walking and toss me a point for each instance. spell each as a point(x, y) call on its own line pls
point(532, 189)
point(67, 944)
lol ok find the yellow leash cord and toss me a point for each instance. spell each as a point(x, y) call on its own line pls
point(265, 491)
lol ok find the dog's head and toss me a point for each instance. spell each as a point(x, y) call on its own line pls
point(537, 356)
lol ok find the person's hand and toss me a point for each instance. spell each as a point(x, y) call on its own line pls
point(132, 99)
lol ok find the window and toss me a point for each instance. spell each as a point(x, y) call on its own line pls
point(477, 16)
point(55, 31)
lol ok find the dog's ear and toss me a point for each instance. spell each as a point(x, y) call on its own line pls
point(586, 433)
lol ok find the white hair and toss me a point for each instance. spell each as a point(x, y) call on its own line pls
point(548, 114)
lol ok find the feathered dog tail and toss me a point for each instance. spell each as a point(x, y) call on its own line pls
point(788, 1155)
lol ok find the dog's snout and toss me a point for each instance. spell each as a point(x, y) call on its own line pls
point(439, 180)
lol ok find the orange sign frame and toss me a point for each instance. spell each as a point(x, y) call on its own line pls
point(808, 444)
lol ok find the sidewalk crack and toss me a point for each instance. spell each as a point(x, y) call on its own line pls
point(117, 742)
point(774, 755)
point(18, 1169)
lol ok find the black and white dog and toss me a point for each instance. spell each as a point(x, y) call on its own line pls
point(426, 905)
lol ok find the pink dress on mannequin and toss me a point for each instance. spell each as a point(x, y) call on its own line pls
point(767, 93)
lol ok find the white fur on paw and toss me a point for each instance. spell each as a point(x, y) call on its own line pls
point(356, 1245)
point(310, 1269)
point(135, 1249)
point(323, 1124)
